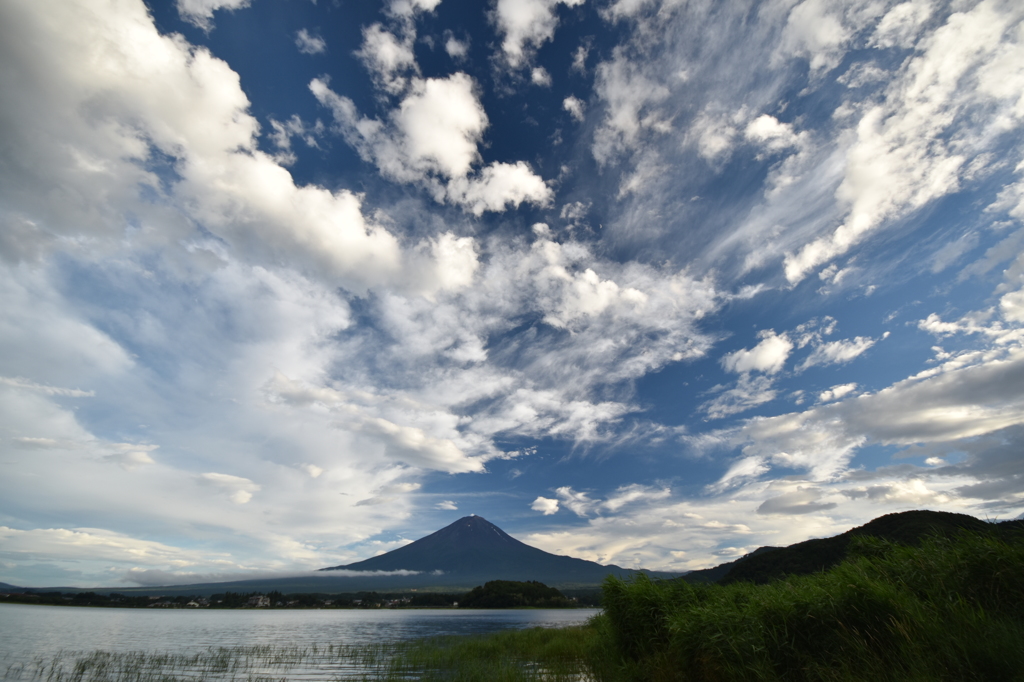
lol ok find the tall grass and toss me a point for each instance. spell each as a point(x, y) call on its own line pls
point(552, 655)
point(948, 610)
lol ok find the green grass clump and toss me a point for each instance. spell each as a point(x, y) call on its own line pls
point(948, 610)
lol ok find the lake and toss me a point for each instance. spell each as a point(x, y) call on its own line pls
point(31, 633)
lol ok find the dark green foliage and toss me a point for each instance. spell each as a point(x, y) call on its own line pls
point(951, 609)
point(435, 599)
point(509, 594)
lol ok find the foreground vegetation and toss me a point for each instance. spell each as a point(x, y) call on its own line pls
point(951, 609)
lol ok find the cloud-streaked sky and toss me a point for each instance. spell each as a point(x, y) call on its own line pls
point(286, 284)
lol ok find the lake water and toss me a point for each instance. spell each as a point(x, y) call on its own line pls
point(32, 633)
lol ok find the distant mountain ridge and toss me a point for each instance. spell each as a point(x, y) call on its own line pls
point(473, 549)
point(766, 564)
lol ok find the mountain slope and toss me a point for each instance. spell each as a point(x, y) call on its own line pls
point(771, 563)
point(475, 549)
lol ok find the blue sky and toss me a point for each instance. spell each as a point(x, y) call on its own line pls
point(286, 284)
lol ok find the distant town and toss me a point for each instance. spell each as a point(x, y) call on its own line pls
point(497, 594)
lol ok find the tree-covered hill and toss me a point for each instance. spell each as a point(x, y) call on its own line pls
point(905, 528)
point(510, 594)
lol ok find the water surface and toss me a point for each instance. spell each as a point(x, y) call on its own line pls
point(28, 632)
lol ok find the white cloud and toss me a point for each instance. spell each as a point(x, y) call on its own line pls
point(901, 25)
point(748, 393)
point(414, 446)
point(803, 500)
point(630, 98)
point(863, 73)
point(240, 488)
point(1011, 306)
point(526, 25)
point(578, 503)
point(743, 469)
point(294, 127)
point(389, 59)
point(432, 140)
point(161, 95)
point(574, 106)
point(540, 76)
point(837, 352)
point(130, 456)
point(447, 505)
point(313, 470)
point(456, 49)
point(900, 159)
point(408, 8)
point(633, 493)
point(442, 122)
point(837, 392)
point(771, 134)
point(579, 58)
point(546, 505)
point(87, 544)
point(498, 186)
point(200, 12)
point(17, 382)
point(820, 32)
point(965, 397)
point(308, 43)
point(768, 356)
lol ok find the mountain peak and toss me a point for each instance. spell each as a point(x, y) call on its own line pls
point(473, 546)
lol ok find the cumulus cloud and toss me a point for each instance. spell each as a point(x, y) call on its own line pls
point(388, 58)
point(837, 392)
point(447, 505)
point(574, 106)
point(546, 505)
point(526, 25)
point(163, 96)
point(432, 139)
point(772, 135)
point(768, 356)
